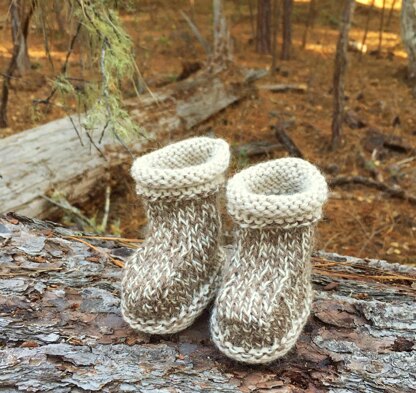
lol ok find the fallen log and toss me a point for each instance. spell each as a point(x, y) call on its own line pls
point(285, 87)
point(256, 148)
point(394, 192)
point(39, 161)
point(286, 140)
point(61, 328)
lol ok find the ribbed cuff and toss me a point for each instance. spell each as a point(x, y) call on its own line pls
point(189, 167)
point(287, 192)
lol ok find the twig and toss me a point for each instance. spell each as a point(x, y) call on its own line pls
point(111, 238)
point(197, 33)
point(76, 129)
point(64, 67)
point(364, 277)
point(106, 95)
point(364, 181)
point(68, 207)
point(106, 208)
point(113, 260)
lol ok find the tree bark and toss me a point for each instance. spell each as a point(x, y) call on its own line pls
point(222, 52)
point(20, 57)
point(339, 73)
point(381, 28)
point(20, 31)
point(264, 23)
point(287, 29)
point(51, 158)
point(275, 30)
point(367, 25)
point(408, 33)
point(62, 330)
point(309, 22)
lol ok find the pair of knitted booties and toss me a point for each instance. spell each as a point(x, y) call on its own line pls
point(264, 295)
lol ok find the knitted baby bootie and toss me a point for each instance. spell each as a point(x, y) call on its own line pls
point(266, 294)
point(174, 275)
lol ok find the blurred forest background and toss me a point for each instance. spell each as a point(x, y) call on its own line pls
point(335, 84)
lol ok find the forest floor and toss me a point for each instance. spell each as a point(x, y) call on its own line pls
point(358, 221)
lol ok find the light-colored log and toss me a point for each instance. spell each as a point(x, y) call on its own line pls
point(50, 158)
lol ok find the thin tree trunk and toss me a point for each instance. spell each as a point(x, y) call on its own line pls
point(367, 25)
point(222, 51)
point(264, 20)
point(309, 22)
point(339, 72)
point(275, 29)
point(20, 31)
point(252, 24)
point(17, 61)
point(380, 32)
point(287, 29)
point(391, 13)
point(408, 33)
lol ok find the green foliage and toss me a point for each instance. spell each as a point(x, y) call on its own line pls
point(111, 55)
point(243, 160)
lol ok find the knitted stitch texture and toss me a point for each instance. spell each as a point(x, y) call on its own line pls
point(174, 275)
point(266, 295)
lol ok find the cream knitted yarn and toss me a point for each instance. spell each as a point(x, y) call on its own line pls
point(266, 295)
point(172, 278)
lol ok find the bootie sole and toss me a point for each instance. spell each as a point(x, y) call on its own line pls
point(258, 355)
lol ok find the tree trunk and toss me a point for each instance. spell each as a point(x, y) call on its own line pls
point(339, 72)
point(381, 28)
point(20, 58)
point(287, 29)
point(264, 22)
point(408, 32)
point(309, 22)
point(275, 30)
point(62, 330)
point(51, 158)
point(20, 31)
point(367, 25)
point(222, 52)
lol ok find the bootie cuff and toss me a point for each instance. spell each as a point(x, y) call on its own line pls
point(287, 192)
point(194, 166)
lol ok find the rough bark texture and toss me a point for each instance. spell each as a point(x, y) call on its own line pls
point(222, 53)
point(61, 328)
point(50, 157)
point(264, 25)
point(408, 32)
point(20, 31)
point(339, 72)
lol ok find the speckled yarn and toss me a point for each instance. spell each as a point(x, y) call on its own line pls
point(266, 294)
point(175, 274)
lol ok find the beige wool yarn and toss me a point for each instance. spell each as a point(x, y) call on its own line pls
point(175, 274)
point(266, 294)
